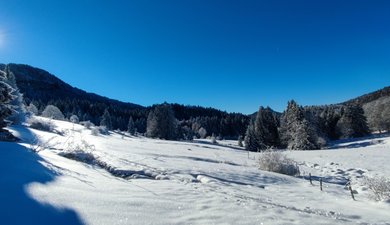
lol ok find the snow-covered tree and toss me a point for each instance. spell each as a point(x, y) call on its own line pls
point(32, 109)
point(386, 118)
point(5, 99)
point(252, 142)
point(262, 133)
point(378, 114)
point(17, 103)
point(352, 123)
point(295, 131)
point(266, 128)
point(202, 132)
point(53, 112)
point(161, 123)
point(74, 119)
point(131, 126)
point(106, 120)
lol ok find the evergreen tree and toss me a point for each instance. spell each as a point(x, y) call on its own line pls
point(266, 128)
point(295, 131)
point(352, 123)
point(5, 99)
point(162, 123)
point(252, 142)
point(262, 133)
point(131, 126)
point(386, 118)
point(106, 120)
point(17, 103)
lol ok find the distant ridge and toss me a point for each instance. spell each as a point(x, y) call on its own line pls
point(367, 98)
point(36, 83)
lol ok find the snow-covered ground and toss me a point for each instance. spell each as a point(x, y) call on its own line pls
point(182, 182)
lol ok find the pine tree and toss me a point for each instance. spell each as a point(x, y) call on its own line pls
point(386, 118)
point(131, 126)
point(17, 103)
point(296, 132)
point(106, 120)
point(266, 129)
point(161, 123)
point(252, 142)
point(352, 123)
point(5, 108)
point(5, 98)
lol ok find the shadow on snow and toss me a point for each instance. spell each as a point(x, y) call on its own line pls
point(20, 167)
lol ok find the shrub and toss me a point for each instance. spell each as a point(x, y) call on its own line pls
point(99, 130)
point(379, 186)
point(82, 152)
point(276, 161)
point(74, 119)
point(40, 124)
point(53, 112)
point(87, 124)
point(214, 140)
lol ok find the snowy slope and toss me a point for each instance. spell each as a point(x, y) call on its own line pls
point(182, 182)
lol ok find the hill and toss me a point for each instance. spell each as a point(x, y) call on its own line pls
point(42, 88)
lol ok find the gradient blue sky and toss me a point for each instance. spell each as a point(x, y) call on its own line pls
point(231, 55)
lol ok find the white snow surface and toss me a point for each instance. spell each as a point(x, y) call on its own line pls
point(176, 182)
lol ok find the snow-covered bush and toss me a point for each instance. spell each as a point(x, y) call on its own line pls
point(82, 152)
point(379, 186)
point(74, 119)
point(53, 112)
point(214, 140)
point(32, 109)
point(202, 132)
point(41, 124)
point(87, 124)
point(276, 161)
point(99, 130)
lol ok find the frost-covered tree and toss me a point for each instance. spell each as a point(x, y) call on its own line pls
point(74, 119)
point(17, 103)
point(262, 133)
point(161, 123)
point(131, 126)
point(252, 142)
point(352, 123)
point(266, 128)
point(377, 114)
point(386, 118)
point(295, 131)
point(202, 132)
point(106, 120)
point(5, 99)
point(53, 112)
point(32, 109)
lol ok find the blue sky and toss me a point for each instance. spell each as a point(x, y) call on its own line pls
point(231, 55)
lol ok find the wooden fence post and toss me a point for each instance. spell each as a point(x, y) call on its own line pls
point(350, 189)
point(321, 184)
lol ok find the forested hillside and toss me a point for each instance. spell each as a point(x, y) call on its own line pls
point(41, 88)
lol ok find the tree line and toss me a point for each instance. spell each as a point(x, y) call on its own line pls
point(305, 128)
point(298, 127)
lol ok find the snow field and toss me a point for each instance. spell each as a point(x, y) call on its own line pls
point(174, 182)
